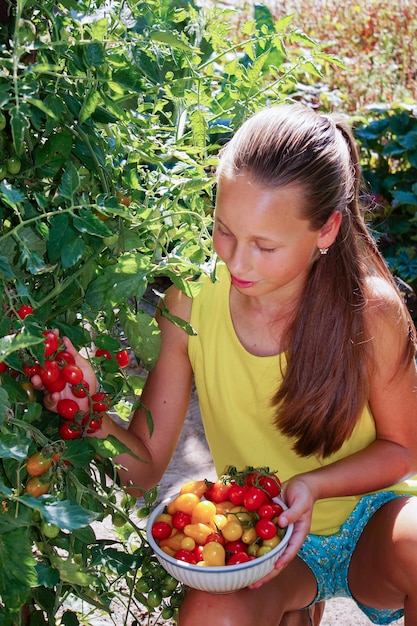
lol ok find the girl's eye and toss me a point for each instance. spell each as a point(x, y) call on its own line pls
point(262, 249)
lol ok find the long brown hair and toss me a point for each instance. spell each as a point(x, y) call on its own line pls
point(329, 357)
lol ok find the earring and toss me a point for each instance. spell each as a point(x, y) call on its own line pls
point(324, 250)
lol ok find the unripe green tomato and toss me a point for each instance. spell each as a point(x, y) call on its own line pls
point(143, 512)
point(167, 612)
point(127, 501)
point(142, 585)
point(14, 165)
point(154, 598)
point(2, 121)
point(49, 530)
point(118, 519)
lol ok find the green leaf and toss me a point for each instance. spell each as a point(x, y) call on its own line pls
point(87, 222)
point(5, 267)
point(90, 104)
point(10, 195)
point(70, 182)
point(119, 282)
point(12, 343)
point(65, 514)
point(94, 54)
point(110, 447)
point(17, 568)
point(70, 572)
point(4, 404)
point(143, 334)
point(13, 446)
point(19, 122)
point(166, 37)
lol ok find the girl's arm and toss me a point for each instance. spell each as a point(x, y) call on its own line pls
point(166, 396)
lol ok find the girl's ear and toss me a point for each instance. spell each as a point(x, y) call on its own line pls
point(328, 232)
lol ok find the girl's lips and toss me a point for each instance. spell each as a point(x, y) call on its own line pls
point(242, 284)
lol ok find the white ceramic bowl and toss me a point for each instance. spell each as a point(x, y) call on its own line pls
point(215, 579)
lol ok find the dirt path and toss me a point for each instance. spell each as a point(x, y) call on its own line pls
point(192, 460)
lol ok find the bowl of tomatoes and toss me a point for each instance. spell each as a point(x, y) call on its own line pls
point(221, 536)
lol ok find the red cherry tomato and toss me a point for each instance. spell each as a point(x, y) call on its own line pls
point(72, 374)
point(217, 492)
point(237, 493)
point(161, 530)
point(180, 519)
point(65, 358)
point(271, 484)
point(49, 373)
point(3, 367)
point(103, 352)
point(122, 358)
point(24, 311)
point(70, 430)
point(101, 402)
point(215, 536)
point(56, 385)
point(233, 547)
point(93, 424)
point(254, 498)
point(238, 557)
point(67, 408)
point(51, 343)
point(266, 511)
point(185, 555)
point(31, 370)
point(265, 528)
point(198, 553)
point(80, 391)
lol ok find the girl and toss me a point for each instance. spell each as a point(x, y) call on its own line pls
point(304, 361)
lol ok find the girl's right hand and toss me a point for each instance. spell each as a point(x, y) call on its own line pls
point(51, 400)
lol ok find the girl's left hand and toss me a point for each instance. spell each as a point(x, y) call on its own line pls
point(299, 499)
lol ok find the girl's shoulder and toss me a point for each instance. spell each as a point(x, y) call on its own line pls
point(178, 303)
point(387, 320)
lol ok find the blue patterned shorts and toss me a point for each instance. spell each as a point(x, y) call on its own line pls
point(328, 556)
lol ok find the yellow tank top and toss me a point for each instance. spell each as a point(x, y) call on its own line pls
point(235, 389)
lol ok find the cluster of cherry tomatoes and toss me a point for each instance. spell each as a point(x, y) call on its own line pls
point(230, 521)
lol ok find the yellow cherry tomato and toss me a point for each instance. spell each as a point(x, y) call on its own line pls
point(188, 544)
point(204, 511)
point(173, 542)
point(253, 549)
point(249, 535)
point(184, 502)
point(240, 513)
point(199, 532)
point(263, 550)
point(232, 531)
point(194, 486)
point(214, 553)
point(219, 521)
point(224, 507)
point(271, 543)
point(164, 517)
